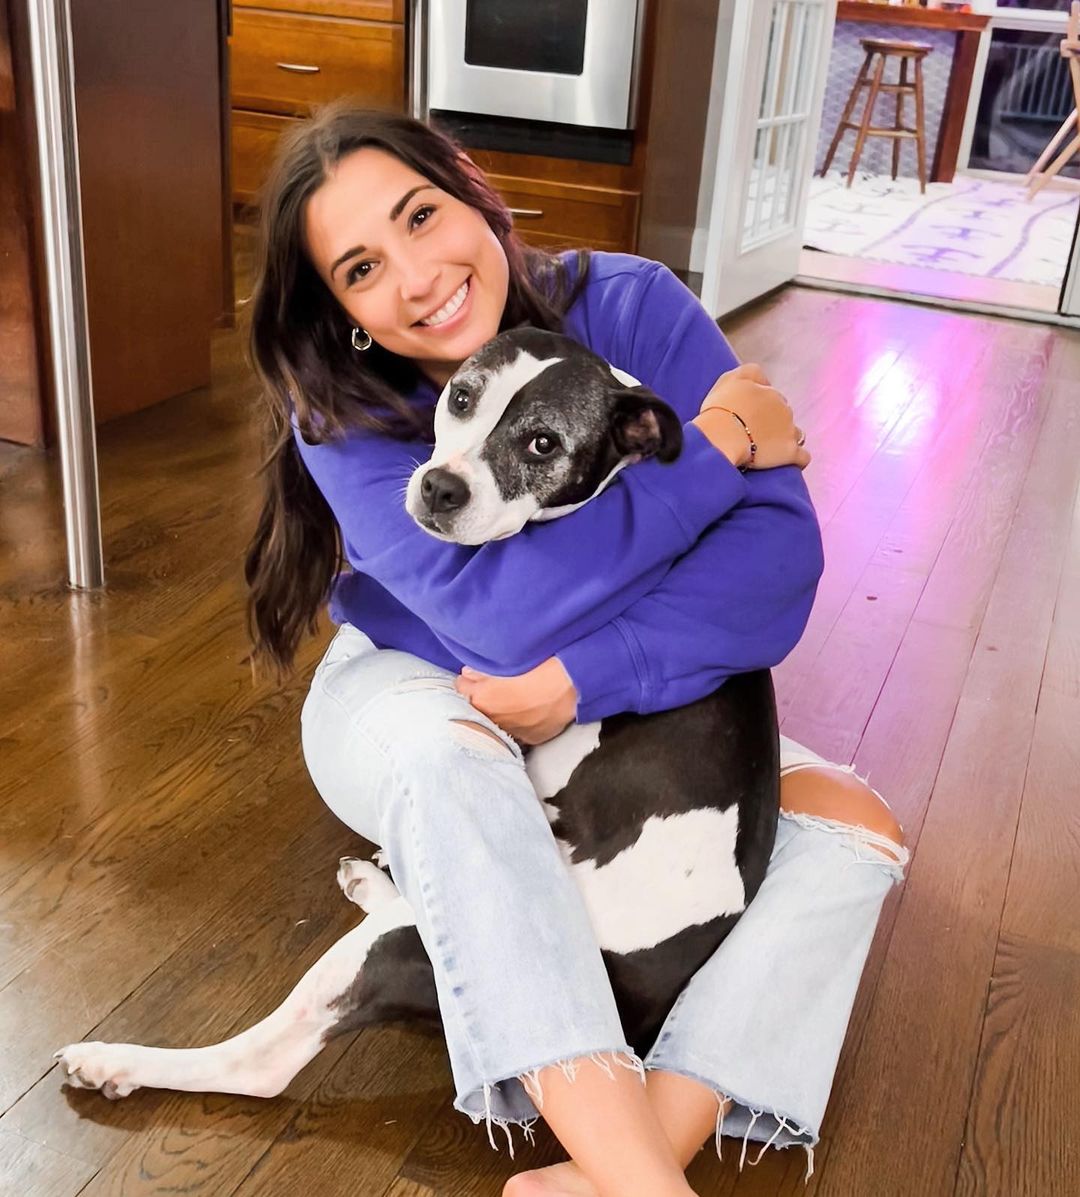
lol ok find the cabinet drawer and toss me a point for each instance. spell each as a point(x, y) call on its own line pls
point(286, 63)
point(553, 214)
point(254, 137)
point(367, 10)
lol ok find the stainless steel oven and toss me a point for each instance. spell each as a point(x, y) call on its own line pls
point(572, 62)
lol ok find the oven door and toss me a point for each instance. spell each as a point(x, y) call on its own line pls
point(568, 61)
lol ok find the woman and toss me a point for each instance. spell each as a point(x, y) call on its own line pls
point(387, 259)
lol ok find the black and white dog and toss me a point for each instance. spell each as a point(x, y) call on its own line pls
point(666, 821)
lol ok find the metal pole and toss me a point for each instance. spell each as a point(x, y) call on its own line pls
point(61, 218)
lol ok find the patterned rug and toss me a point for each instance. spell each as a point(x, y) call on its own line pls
point(974, 226)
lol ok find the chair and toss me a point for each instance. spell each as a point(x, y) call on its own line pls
point(1040, 174)
point(872, 75)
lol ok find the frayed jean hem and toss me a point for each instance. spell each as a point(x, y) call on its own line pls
point(517, 1100)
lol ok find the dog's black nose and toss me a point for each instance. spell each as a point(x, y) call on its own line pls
point(443, 491)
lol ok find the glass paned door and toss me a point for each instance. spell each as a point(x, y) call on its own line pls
point(773, 60)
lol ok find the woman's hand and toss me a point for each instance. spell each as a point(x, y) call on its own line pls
point(765, 413)
point(532, 707)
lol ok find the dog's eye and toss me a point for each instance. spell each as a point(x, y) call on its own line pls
point(543, 445)
point(459, 400)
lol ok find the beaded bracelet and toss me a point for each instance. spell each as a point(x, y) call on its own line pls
point(749, 436)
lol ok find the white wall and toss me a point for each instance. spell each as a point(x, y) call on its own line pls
point(712, 133)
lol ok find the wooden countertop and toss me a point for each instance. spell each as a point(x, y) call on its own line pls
point(915, 18)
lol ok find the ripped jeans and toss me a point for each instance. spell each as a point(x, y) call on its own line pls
point(520, 979)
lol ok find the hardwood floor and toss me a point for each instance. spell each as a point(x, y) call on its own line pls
point(166, 869)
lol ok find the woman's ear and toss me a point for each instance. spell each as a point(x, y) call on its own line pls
point(643, 425)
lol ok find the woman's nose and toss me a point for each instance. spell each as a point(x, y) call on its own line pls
point(418, 281)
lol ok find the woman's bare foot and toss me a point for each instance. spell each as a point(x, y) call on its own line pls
point(558, 1180)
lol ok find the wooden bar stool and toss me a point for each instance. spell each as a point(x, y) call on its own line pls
point(1040, 174)
point(872, 75)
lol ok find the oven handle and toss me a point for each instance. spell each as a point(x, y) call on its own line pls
point(533, 212)
point(299, 68)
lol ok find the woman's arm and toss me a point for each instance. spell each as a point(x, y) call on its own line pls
point(723, 608)
point(504, 606)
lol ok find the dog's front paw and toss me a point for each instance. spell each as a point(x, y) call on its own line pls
point(104, 1066)
point(364, 883)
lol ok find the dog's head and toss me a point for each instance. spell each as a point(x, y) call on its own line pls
point(532, 426)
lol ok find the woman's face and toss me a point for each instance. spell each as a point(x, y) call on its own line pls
point(417, 269)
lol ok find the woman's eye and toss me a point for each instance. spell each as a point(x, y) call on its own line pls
point(425, 210)
point(543, 445)
point(358, 272)
point(459, 400)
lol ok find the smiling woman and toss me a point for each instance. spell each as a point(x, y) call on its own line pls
point(388, 262)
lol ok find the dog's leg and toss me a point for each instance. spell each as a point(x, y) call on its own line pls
point(333, 996)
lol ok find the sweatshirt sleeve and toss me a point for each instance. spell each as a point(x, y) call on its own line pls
point(506, 606)
point(670, 343)
point(738, 600)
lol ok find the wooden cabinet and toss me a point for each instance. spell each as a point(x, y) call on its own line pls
point(289, 56)
point(560, 214)
point(289, 63)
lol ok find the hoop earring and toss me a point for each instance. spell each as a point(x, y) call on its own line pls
point(360, 346)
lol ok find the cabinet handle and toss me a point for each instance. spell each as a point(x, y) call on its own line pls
point(527, 212)
point(298, 68)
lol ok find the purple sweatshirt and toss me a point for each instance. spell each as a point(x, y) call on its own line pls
point(671, 580)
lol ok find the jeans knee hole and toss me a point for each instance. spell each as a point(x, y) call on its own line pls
point(475, 735)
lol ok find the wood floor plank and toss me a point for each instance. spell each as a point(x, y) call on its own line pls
point(1044, 877)
point(191, 770)
point(408, 1188)
point(1021, 1134)
point(229, 971)
point(355, 1131)
point(895, 517)
point(909, 498)
point(85, 968)
point(455, 1157)
point(29, 1168)
point(942, 947)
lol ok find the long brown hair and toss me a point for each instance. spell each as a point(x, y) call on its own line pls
point(300, 347)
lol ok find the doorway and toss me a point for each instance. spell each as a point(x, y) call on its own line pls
point(982, 234)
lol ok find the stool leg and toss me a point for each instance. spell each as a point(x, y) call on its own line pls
point(841, 128)
point(899, 122)
point(1051, 147)
point(867, 118)
point(1060, 161)
point(920, 125)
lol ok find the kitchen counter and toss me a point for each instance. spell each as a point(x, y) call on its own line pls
point(916, 18)
point(949, 72)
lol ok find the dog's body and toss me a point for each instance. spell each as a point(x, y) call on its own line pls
point(666, 821)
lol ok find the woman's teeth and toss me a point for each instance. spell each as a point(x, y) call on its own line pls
point(449, 308)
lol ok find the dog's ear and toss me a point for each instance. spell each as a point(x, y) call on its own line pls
point(643, 425)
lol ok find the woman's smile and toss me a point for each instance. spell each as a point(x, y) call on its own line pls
point(452, 314)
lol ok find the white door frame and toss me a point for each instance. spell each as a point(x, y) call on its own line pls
point(759, 102)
